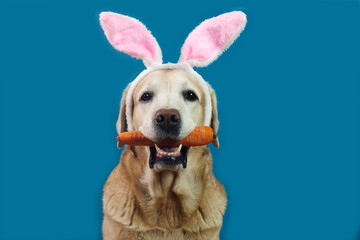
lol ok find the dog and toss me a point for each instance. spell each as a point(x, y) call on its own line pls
point(159, 192)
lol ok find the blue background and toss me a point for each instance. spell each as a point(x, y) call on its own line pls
point(288, 92)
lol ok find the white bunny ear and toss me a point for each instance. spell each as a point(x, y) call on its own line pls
point(130, 36)
point(213, 36)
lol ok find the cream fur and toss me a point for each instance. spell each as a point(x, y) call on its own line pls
point(167, 87)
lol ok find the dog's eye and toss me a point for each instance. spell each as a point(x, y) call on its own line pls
point(190, 96)
point(146, 97)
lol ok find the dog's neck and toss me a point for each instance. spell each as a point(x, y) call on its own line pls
point(172, 195)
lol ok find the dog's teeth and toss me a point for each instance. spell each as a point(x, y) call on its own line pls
point(157, 148)
point(170, 154)
point(179, 148)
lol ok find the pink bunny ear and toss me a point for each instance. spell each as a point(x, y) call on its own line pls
point(130, 36)
point(213, 36)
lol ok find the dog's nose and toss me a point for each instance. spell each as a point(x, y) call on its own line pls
point(167, 119)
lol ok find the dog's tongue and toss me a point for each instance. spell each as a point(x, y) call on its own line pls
point(168, 151)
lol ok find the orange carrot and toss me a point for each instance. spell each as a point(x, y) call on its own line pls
point(134, 138)
point(199, 136)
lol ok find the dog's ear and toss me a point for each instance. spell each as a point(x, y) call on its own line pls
point(121, 124)
point(130, 36)
point(214, 124)
point(211, 38)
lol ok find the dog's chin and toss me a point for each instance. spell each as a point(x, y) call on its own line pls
point(168, 158)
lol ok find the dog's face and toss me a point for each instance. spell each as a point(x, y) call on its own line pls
point(169, 104)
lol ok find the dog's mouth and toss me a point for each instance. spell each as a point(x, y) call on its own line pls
point(168, 157)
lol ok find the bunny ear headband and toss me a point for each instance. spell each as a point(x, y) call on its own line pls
point(203, 46)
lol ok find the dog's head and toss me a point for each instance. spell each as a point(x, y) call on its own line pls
point(168, 104)
point(170, 100)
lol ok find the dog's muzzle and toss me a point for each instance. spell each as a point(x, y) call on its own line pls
point(167, 123)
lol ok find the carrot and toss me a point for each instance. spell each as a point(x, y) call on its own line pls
point(201, 135)
point(134, 138)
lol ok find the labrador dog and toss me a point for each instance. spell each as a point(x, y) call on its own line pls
point(166, 192)
point(168, 201)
